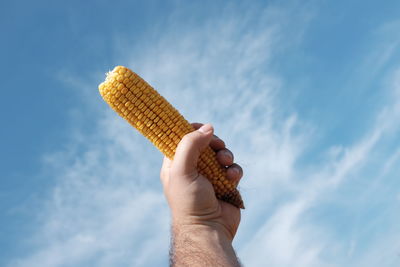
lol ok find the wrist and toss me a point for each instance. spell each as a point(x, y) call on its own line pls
point(209, 230)
point(201, 245)
point(205, 227)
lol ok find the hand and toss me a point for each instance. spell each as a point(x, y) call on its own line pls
point(190, 195)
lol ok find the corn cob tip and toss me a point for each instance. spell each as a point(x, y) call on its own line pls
point(110, 77)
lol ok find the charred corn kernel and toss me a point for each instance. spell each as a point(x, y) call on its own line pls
point(146, 110)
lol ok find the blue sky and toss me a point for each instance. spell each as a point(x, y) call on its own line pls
point(306, 94)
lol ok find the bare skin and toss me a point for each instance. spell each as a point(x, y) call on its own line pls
point(203, 227)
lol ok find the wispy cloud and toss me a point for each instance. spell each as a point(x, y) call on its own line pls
point(107, 207)
point(301, 244)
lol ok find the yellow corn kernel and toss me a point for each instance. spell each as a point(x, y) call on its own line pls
point(152, 115)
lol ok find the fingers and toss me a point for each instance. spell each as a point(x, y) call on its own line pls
point(188, 151)
point(197, 125)
point(216, 143)
point(234, 173)
point(224, 157)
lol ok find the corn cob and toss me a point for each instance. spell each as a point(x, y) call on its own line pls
point(150, 113)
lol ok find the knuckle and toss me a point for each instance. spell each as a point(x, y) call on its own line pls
point(186, 138)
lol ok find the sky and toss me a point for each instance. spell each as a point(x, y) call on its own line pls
point(305, 93)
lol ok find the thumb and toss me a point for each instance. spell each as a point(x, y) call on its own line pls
point(189, 149)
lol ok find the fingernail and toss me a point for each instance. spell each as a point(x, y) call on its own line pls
point(236, 170)
point(206, 128)
point(227, 154)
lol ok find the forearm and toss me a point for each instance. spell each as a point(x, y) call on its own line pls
point(201, 245)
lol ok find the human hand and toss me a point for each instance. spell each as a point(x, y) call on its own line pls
point(190, 195)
